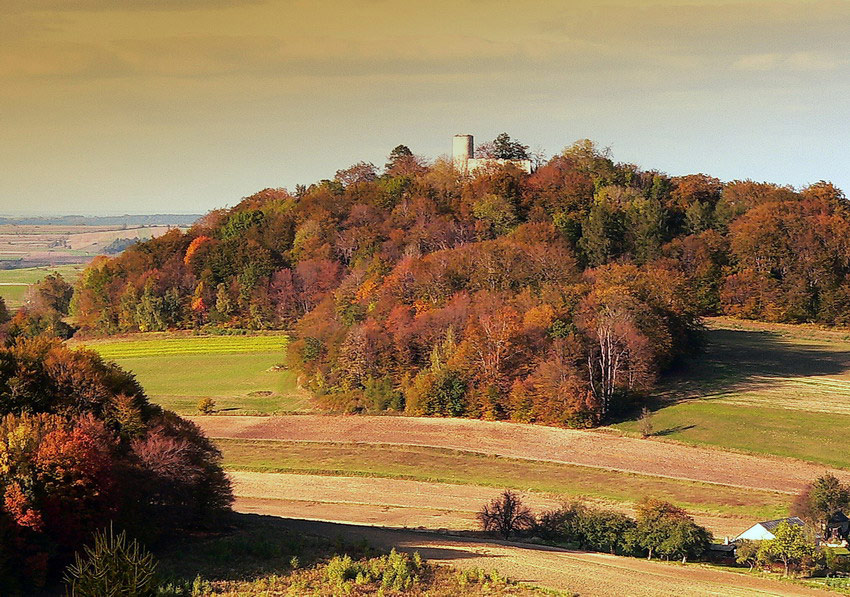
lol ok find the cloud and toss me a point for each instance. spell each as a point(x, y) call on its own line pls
point(757, 62)
point(715, 31)
point(793, 61)
point(29, 6)
point(815, 61)
point(195, 56)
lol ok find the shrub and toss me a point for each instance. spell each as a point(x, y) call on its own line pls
point(395, 571)
point(588, 528)
point(563, 524)
point(342, 569)
point(609, 531)
point(112, 567)
point(506, 515)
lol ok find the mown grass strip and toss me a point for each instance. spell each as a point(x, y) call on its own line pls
point(467, 468)
point(189, 346)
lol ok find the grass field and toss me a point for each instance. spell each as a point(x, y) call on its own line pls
point(452, 466)
point(15, 282)
point(240, 373)
point(763, 388)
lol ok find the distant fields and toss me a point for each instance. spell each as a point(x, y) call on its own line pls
point(469, 468)
point(241, 373)
point(15, 282)
point(764, 388)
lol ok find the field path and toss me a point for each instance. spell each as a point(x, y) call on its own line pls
point(596, 449)
point(588, 574)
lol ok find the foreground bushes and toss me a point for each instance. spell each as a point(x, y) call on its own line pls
point(80, 446)
point(393, 574)
point(112, 567)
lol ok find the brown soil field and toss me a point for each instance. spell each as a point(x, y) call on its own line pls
point(95, 241)
point(597, 449)
point(588, 574)
point(396, 502)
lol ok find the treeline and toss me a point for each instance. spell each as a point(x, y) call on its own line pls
point(554, 297)
point(659, 529)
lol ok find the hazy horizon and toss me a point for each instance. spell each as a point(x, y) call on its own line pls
point(182, 106)
point(83, 214)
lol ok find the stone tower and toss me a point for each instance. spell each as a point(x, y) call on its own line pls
point(462, 150)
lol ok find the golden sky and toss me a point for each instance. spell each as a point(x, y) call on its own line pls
point(185, 105)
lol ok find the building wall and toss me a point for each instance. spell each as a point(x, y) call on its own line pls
point(463, 149)
point(474, 164)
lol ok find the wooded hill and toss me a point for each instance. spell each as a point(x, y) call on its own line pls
point(555, 297)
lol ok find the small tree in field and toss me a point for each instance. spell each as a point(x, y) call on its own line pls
point(645, 422)
point(506, 515)
point(206, 406)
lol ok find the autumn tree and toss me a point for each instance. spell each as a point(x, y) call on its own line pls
point(619, 355)
point(80, 446)
point(790, 546)
point(821, 499)
point(568, 290)
point(52, 293)
point(666, 530)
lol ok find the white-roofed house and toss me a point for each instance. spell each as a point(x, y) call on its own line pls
point(762, 531)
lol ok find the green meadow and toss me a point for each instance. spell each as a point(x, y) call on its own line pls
point(14, 283)
point(762, 388)
point(243, 374)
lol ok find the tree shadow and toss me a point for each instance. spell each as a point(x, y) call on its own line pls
point(672, 430)
point(253, 545)
point(245, 546)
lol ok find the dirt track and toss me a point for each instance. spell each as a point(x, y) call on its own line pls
point(394, 502)
point(585, 448)
point(588, 574)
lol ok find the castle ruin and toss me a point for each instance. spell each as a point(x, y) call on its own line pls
point(463, 155)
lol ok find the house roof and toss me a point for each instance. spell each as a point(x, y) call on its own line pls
point(771, 525)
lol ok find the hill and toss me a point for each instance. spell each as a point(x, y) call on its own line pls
point(558, 296)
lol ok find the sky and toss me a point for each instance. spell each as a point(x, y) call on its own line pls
point(181, 106)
